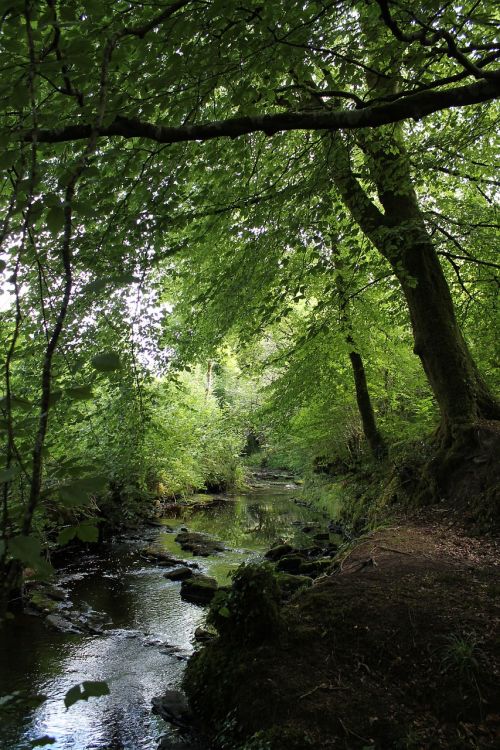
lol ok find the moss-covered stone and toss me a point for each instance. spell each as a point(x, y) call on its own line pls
point(199, 544)
point(249, 611)
point(40, 600)
point(290, 563)
point(315, 568)
point(199, 589)
point(279, 551)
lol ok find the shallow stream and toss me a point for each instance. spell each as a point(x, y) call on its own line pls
point(147, 629)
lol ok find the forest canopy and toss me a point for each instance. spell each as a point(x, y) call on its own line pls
point(224, 221)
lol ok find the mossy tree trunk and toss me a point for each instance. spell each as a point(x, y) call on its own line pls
point(400, 234)
point(462, 466)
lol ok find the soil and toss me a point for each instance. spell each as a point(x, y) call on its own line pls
point(399, 648)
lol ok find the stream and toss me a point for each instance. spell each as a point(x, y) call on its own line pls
point(146, 628)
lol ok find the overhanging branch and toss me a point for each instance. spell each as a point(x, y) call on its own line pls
point(414, 106)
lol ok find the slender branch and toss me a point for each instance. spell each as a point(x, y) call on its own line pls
point(141, 31)
point(470, 259)
point(461, 175)
point(430, 41)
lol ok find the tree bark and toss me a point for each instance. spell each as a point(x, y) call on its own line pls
point(399, 233)
point(363, 400)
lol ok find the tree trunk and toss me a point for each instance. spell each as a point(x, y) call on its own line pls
point(399, 233)
point(370, 430)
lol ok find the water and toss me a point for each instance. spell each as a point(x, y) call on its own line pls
point(147, 631)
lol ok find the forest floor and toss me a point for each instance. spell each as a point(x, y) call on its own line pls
point(400, 648)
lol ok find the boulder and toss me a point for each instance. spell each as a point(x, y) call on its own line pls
point(160, 555)
point(174, 708)
point(202, 635)
point(315, 568)
point(179, 574)
point(61, 624)
point(198, 544)
point(313, 526)
point(177, 652)
point(199, 589)
point(279, 551)
point(165, 558)
point(290, 563)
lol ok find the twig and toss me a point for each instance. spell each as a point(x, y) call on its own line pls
point(323, 686)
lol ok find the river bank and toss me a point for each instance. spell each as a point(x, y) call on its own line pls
point(398, 648)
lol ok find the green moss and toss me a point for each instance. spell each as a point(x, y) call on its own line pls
point(219, 679)
point(42, 602)
point(289, 584)
point(249, 610)
point(315, 568)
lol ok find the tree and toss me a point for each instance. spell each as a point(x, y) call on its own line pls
point(104, 108)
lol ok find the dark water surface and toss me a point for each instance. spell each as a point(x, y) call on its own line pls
point(147, 630)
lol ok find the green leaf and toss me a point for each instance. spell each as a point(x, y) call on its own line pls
point(77, 492)
point(7, 475)
point(7, 159)
point(55, 219)
point(224, 612)
point(16, 403)
point(87, 533)
point(95, 689)
point(27, 549)
point(66, 535)
point(73, 695)
point(96, 286)
point(80, 393)
point(6, 699)
point(106, 362)
point(84, 691)
point(54, 397)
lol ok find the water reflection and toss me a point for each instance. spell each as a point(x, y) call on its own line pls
point(142, 612)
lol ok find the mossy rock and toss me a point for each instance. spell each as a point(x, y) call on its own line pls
point(199, 544)
point(249, 611)
point(217, 679)
point(315, 568)
point(161, 556)
point(290, 563)
point(199, 589)
point(179, 574)
point(279, 551)
point(42, 602)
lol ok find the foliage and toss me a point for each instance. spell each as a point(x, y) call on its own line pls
point(138, 241)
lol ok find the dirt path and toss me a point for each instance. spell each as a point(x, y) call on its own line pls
point(400, 648)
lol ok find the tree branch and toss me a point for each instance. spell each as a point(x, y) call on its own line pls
point(428, 36)
point(413, 106)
